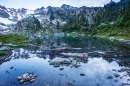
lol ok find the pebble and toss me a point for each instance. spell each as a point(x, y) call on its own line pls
point(22, 81)
point(61, 68)
point(35, 75)
point(19, 77)
point(32, 80)
point(82, 74)
point(109, 77)
point(11, 67)
point(61, 74)
point(116, 75)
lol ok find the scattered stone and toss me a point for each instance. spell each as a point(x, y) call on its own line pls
point(19, 77)
point(74, 81)
point(11, 67)
point(116, 75)
point(22, 81)
point(82, 74)
point(115, 80)
point(122, 70)
point(27, 77)
point(32, 80)
point(121, 77)
point(125, 75)
point(69, 84)
point(56, 65)
point(113, 69)
point(77, 66)
point(35, 75)
point(109, 77)
point(61, 68)
point(7, 72)
point(61, 74)
point(74, 62)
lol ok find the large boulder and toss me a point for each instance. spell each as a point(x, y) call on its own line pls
point(59, 60)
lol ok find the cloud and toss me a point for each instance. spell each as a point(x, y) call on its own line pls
point(33, 4)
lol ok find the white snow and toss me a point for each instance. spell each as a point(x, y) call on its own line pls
point(19, 17)
point(30, 12)
point(1, 9)
point(45, 10)
point(6, 21)
point(3, 27)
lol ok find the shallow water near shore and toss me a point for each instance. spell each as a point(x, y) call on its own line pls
point(111, 69)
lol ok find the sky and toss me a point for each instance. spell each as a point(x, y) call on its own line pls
point(34, 4)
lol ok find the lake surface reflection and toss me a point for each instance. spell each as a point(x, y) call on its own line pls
point(65, 65)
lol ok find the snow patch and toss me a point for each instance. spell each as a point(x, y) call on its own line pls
point(3, 27)
point(30, 12)
point(6, 21)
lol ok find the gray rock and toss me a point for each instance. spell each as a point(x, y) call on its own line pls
point(25, 76)
point(10, 44)
point(22, 81)
point(59, 60)
point(32, 77)
point(5, 48)
point(109, 77)
point(82, 74)
point(32, 80)
point(122, 70)
point(74, 62)
point(35, 75)
point(19, 77)
point(116, 75)
point(113, 69)
point(11, 67)
point(55, 65)
point(28, 78)
point(61, 68)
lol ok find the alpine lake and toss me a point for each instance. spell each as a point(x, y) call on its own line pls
point(68, 61)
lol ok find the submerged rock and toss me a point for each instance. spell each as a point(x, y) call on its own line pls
point(61, 68)
point(11, 67)
point(109, 77)
point(116, 75)
point(74, 62)
point(122, 70)
point(82, 74)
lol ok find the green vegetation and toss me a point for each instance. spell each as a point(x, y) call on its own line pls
point(119, 29)
point(19, 40)
point(2, 53)
point(113, 20)
point(94, 43)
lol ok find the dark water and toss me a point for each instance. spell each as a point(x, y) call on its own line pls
point(98, 70)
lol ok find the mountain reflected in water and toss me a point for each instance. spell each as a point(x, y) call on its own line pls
point(79, 61)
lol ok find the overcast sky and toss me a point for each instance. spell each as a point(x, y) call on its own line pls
point(33, 4)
